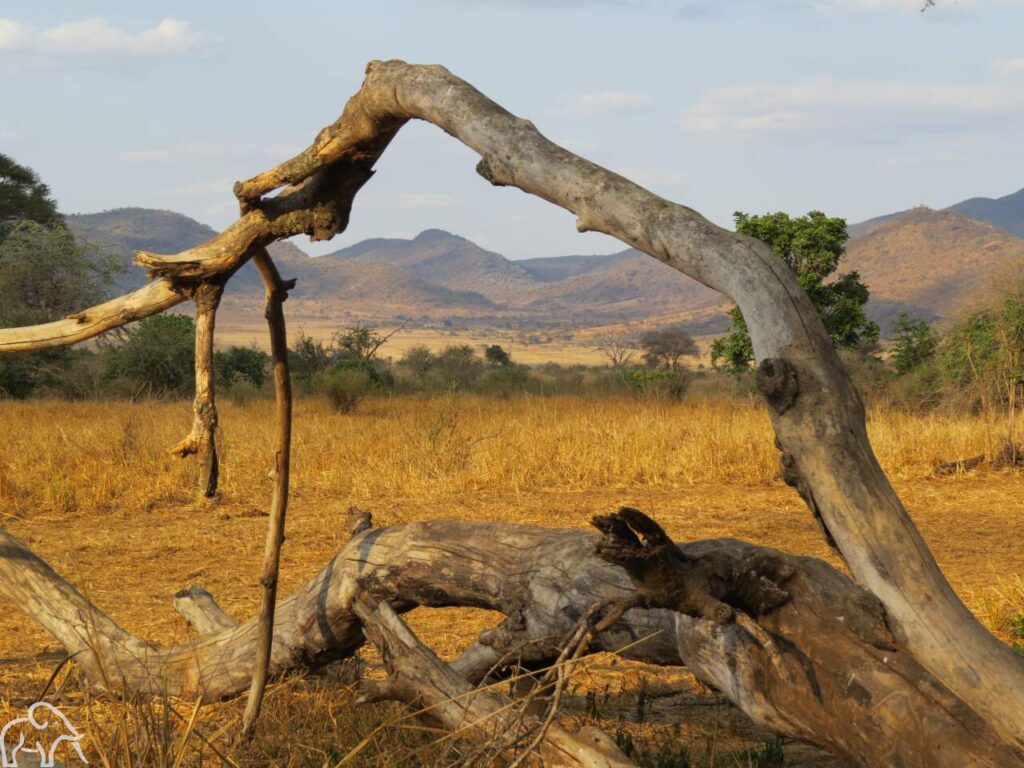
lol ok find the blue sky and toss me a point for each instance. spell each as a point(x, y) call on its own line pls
point(856, 107)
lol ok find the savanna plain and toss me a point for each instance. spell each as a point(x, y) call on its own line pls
point(91, 488)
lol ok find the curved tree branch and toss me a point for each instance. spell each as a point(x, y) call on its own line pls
point(276, 291)
point(817, 414)
point(81, 326)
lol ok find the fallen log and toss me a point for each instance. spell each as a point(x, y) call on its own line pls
point(812, 657)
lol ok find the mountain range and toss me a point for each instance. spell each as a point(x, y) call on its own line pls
point(929, 263)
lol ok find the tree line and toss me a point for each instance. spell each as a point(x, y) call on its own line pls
point(45, 273)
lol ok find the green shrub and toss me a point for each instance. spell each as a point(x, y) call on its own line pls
point(506, 380)
point(157, 355)
point(236, 364)
point(345, 387)
point(670, 384)
point(1017, 633)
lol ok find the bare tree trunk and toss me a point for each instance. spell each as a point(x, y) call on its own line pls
point(202, 439)
point(822, 666)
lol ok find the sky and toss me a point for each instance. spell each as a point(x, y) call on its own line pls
point(853, 107)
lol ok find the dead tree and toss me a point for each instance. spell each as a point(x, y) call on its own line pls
point(943, 654)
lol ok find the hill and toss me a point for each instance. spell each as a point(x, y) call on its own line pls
point(1007, 213)
point(929, 263)
point(933, 264)
point(434, 278)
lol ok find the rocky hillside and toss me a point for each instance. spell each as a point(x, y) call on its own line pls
point(929, 263)
point(933, 264)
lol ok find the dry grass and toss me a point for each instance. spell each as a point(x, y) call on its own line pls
point(243, 330)
point(91, 488)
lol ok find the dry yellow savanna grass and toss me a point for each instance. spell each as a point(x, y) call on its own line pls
point(91, 488)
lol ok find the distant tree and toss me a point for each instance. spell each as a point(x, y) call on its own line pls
point(496, 355)
point(241, 364)
point(361, 341)
point(345, 386)
point(984, 352)
point(309, 357)
point(459, 366)
point(157, 355)
point(618, 350)
point(913, 343)
point(665, 347)
point(44, 275)
point(812, 246)
point(419, 361)
point(24, 197)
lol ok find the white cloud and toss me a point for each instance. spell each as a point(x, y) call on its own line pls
point(1009, 67)
point(870, 110)
point(610, 101)
point(97, 36)
point(422, 200)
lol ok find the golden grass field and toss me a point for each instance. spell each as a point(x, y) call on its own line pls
point(91, 488)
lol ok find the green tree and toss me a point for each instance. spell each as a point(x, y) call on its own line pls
point(358, 341)
point(309, 357)
point(236, 364)
point(664, 348)
point(984, 353)
point(419, 361)
point(913, 343)
point(157, 355)
point(24, 197)
point(459, 366)
point(495, 354)
point(812, 246)
point(44, 275)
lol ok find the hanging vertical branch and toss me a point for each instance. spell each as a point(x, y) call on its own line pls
point(202, 439)
point(276, 291)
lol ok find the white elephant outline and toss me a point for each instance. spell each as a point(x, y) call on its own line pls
point(46, 757)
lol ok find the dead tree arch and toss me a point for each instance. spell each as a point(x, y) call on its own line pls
point(919, 630)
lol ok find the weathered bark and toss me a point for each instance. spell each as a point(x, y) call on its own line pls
point(276, 291)
point(202, 438)
point(199, 609)
point(426, 683)
point(818, 417)
point(149, 300)
point(822, 666)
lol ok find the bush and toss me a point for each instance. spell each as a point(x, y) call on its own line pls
point(670, 384)
point(506, 380)
point(157, 355)
point(344, 386)
point(237, 364)
point(458, 367)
